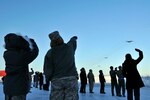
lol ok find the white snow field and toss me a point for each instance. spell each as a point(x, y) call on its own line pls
point(44, 95)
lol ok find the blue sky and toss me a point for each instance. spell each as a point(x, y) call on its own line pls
point(102, 27)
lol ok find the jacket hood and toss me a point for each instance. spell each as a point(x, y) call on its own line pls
point(14, 41)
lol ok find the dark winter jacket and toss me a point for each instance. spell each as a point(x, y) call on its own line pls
point(17, 59)
point(102, 78)
point(113, 76)
point(133, 78)
point(41, 78)
point(60, 61)
point(83, 77)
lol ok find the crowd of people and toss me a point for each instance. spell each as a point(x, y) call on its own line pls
point(38, 80)
point(117, 81)
point(128, 70)
point(60, 70)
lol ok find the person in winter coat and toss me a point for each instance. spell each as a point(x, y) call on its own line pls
point(30, 78)
point(36, 79)
point(102, 82)
point(18, 56)
point(60, 68)
point(41, 81)
point(83, 79)
point(91, 80)
point(114, 83)
point(121, 81)
point(133, 79)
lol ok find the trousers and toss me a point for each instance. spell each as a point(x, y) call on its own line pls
point(20, 97)
point(64, 89)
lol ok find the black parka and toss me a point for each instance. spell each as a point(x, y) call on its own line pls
point(133, 78)
point(17, 58)
point(83, 77)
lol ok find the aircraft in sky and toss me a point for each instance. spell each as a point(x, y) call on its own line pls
point(105, 57)
point(129, 41)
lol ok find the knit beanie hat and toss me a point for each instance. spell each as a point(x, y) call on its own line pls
point(54, 36)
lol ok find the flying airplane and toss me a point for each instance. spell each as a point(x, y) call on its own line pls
point(105, 57)
point(129, 41)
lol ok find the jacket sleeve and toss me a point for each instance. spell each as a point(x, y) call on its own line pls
point(29, 56)
point(48, 66)
point(140, 57)
point(73, 43)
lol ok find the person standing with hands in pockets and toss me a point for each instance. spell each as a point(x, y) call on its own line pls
point(133, 79)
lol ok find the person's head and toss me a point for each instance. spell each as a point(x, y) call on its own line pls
point(14, 41)
point(90, 70)
point(56, 39)
point(128, 57)
point(41, 74)
point(82, 69)
point(100, 71)
point(120, 67)
point(111, 67)
point(36, 73)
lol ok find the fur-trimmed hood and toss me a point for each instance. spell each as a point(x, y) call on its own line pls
point(14, 41)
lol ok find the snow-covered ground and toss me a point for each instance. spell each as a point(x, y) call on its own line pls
point(44, 95)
